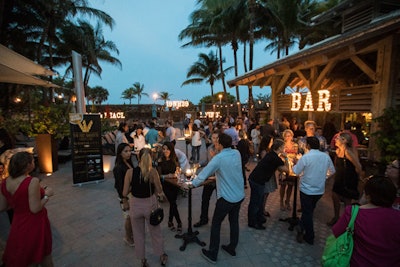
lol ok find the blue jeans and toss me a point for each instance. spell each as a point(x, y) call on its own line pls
point(308, 203)
point(223, 208)
point(196, 153)
point(256, 209)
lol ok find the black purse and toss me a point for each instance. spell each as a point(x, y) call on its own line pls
point(157, 214)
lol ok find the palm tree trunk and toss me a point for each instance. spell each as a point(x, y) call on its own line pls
point(250, 101)
point(222, 75)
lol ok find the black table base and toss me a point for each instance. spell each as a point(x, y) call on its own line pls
point(189, 236)
point(294, 220)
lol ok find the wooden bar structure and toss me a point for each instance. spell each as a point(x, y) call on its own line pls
point(360, 67)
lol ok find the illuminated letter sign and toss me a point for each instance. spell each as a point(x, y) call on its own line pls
point(113, 115)
point(177, 104)
point(308, 106)
point(323, 101)
point(296, 101)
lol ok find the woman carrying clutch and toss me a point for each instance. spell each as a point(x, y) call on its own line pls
point(144, 184)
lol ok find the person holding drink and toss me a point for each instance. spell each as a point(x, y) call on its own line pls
point(167, 167)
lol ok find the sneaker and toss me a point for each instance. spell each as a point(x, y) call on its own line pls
point(207, 255)
point(228, 250)
point(130, 243)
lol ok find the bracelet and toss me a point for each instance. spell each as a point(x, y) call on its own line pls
point(46, 197)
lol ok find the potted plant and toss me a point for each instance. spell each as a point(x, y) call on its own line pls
point(388, 135)
point(49, 124)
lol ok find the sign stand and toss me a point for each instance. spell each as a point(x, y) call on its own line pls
point(87, 156)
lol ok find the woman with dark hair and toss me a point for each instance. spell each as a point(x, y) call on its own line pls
point(143, 183)
point(29, 241)
point(138, 138)
point(120, 136)
point(348, 169)
point(376, 228)
point(122, 165)
point(261, 174)
point(271, 185)
point(167, 167)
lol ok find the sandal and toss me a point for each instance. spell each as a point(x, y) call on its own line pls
point(171, 226)
point(179, 229)
point(163, 259)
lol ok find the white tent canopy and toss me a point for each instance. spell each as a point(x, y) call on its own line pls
point(15, 68)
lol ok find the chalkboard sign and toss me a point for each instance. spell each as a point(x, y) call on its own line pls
point(87, 157)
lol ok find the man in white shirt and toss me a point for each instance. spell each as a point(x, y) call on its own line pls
point(170, 132)
point(313, 168)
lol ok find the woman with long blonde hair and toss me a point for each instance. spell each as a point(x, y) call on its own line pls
point(144, 184)
point(348, 169)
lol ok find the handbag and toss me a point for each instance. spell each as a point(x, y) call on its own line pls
point(157, 214)
point(338, 251)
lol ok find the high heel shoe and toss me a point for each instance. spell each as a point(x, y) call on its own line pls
point(171, 226)
point(179, 228)
point(144, 263)
point(163, 259)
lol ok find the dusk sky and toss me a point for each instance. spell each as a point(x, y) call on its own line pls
point(146, 34)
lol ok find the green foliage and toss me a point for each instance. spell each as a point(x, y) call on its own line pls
point(388, 135)
point(15, 124)
point(53, 120)
point(215, 98)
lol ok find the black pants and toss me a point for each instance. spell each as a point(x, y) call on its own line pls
point(171, 192)
point(208, 189)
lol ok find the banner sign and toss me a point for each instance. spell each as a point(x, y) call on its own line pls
point(87, 157)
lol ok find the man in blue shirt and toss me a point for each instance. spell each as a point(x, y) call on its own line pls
point(313, 168)
point(230, 193)
point(231, 131)
point(152, 135)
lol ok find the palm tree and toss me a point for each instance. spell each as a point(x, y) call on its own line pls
point(206, 69)
point(32, 28)
point(129, 93)
point(165, 96)
point(92, 46)
point(138, 90)
point(99, 94)
point(203, 31)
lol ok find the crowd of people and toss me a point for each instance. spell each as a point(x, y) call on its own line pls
point(147, 164)
point(283, 153)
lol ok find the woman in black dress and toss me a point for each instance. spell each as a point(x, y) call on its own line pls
point(348, 169)
point(167, 167)
point(122, 164)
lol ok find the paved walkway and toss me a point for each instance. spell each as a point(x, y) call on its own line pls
point(87, 228)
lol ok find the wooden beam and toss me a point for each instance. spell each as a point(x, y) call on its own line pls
point(282, 82)
point(301, 75)
point(327, 69)
point(364, 67)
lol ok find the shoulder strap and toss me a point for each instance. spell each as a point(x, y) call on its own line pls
point(354, 212)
